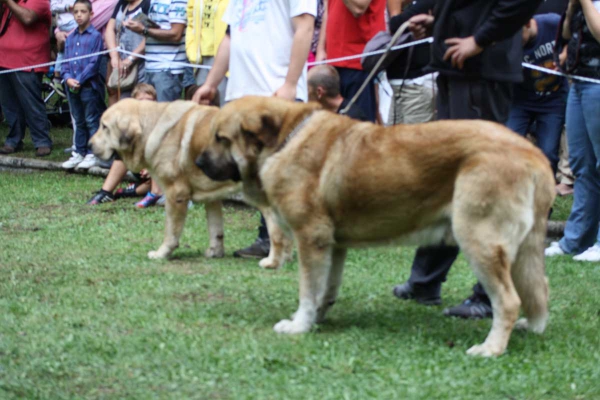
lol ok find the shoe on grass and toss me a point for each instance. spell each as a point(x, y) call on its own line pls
point(129, 191)
point(43, 151)
point(475, 307)
point(590, 255)
point(6, 149)
point(259, 249)
point(554, 250)
point(406, 291)
point(148, 201)
point(88, 162)
point(74, 161)
point(102, 196)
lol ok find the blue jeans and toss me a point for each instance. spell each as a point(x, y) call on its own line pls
point(583, 137)
point(548, 128)
point(22, 105)
point(168, 85)
point(87, 107)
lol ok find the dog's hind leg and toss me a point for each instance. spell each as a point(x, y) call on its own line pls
point(281, 245)
point(530, 280)
point(529, 271)
point(214, 221)
point(176, 207)
point(334, 281)
point(315, 263)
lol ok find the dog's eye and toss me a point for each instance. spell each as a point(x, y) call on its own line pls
point(222, 140)
point(104, 126)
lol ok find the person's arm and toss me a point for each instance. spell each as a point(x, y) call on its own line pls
point(303, 30)
point(25, 15)
point(131, 59)
point(357, 7)
point(566, 27)
point(394, 7)
point(508, 16)
point(172, 35)
point(420, 7)
point(110, 38)
point(92, 68)
point(321, 52)
point(59, 8)
point(592, 18)
point(65, 68)
point(206, 93)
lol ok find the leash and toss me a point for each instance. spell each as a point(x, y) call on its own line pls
point(398, 33)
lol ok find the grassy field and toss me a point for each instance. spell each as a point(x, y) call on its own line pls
point(62, 137)
point(85, 315)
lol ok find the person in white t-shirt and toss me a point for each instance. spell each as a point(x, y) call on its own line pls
point(265, 51)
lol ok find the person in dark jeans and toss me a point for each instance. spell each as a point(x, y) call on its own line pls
point(24, 42)
point(477, 51)
point(541, 98)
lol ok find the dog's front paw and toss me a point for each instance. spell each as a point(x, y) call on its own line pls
point(158, 254)
point(213, 252)
point(291, 327)
point(485, 350)
point(269, 263)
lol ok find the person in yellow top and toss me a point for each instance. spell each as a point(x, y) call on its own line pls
point(204, 32)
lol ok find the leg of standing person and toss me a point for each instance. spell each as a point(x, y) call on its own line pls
point(484, 100)
point(519, 121)
point(548, 131)
point(168, 85)
point(583, 135)
point(564, 176)
point(27, 99)
point(15, 116)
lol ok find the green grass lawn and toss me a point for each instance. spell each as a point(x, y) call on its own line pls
point(85, 315)
point(62, 137)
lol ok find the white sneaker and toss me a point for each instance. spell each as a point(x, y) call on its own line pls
point(592, 254)
point(72, 162)
point(88, 162)
point(553, 250)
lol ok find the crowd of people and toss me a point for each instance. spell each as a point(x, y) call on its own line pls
point(471, 70)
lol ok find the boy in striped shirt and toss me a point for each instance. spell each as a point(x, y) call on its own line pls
point(164, 45)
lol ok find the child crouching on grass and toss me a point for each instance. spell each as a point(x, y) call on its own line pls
point(118, 170)
point(86, 86)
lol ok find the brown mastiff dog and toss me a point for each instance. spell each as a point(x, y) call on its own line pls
point(336, 183)
point(166, 138)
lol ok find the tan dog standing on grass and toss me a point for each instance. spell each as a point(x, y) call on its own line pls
point(166, 138)
point(336, 183)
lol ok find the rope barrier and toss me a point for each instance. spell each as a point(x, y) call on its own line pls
point(328, 61)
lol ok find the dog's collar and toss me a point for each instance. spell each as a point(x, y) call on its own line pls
point(294, 132)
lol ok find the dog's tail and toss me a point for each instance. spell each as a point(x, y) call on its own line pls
point(529, 271)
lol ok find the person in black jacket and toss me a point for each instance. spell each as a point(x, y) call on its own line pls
point(413, 100)
point(477, 51)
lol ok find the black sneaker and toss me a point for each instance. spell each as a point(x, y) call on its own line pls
point(406, 291)
point(475, 307)
point(259, 249)
point(101, 197)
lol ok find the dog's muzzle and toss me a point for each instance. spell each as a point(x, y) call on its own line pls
point(228, 171)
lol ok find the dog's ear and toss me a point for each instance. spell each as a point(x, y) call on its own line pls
point(129, 133)
point(270, 130)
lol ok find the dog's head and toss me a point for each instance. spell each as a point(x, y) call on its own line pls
point(245, 132)
point(120, 132)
